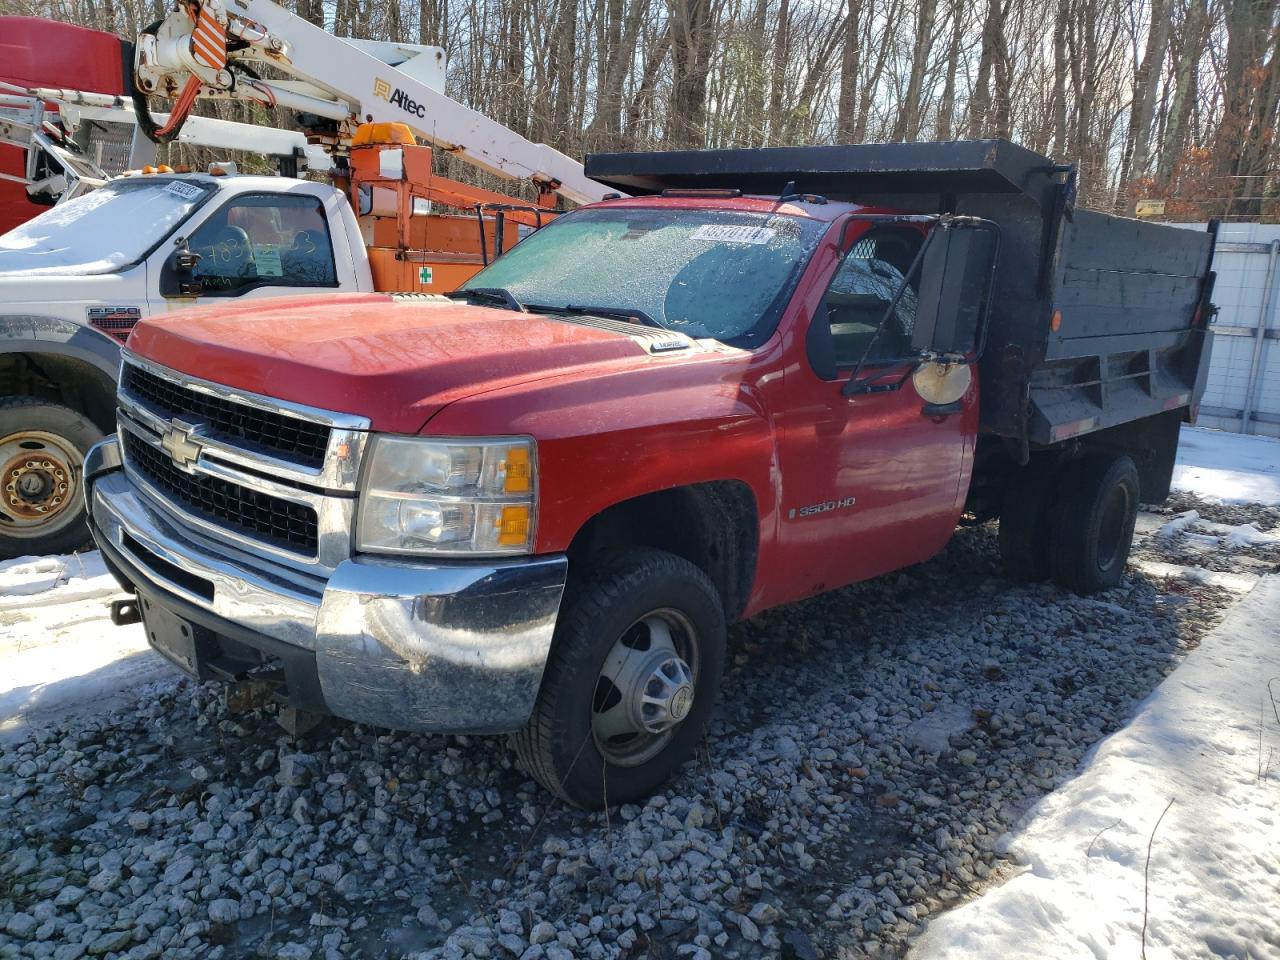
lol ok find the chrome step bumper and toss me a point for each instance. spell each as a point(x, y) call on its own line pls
point(456, 648)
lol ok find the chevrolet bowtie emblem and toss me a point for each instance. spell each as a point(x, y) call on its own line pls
point(180, 444)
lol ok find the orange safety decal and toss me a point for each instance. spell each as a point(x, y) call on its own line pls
point(209, 40)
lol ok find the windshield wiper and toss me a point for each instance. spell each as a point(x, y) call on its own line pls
point(616, 313)
point(499, 296)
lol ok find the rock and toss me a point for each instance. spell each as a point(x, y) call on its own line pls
point(788, 750)
point(110, 942)
point(296, 770)
point(104, 880)
point(224, 911)
point(509, 922)
point(199, 773)
point(294, 951)
point(932, 733)
point(542, 932)
point(747, 928)
point(512, 943)
point(177, 871)
point(140, 821)
point(69, 896)
point(765, 913)
point(22, 925)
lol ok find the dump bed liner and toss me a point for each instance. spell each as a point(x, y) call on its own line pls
point(1096, 320)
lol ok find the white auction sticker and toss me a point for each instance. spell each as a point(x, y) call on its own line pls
point(726, 233)
point(267, 259)
point(187, 191)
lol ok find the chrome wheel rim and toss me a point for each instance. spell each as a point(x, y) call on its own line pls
point(646, 688)
point(39, 482)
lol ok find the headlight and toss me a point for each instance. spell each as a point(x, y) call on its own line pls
point(447, 497)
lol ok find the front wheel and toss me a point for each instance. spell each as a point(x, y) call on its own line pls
point(633, 675)
point(42, 448)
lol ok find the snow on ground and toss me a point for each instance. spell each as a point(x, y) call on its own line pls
point(1228, 467)
point(61, 654)
point(1208, 739)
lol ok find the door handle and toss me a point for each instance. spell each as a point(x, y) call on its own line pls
point(938, 411)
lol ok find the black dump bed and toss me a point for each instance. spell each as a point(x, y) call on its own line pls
point(1132, 297)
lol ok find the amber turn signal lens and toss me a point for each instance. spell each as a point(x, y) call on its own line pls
point(1056, 323)
point(517, 473)
point(513, 526)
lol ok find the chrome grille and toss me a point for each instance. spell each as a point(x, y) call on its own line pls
point(299, 441)
point(292, 526)
point(230, 463)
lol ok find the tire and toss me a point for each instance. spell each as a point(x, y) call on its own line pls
point(42, 448)
point(618, 600)
point(1092, 522)
point(1024, 524)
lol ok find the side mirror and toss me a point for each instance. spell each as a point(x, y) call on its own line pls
point(955, 287)
point(178, 275)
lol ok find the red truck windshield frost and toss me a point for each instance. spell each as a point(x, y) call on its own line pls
point(533, 507)
point(723, 274)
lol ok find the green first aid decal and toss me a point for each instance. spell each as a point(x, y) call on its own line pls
point(424, 274)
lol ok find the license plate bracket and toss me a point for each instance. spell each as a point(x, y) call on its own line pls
point(176, 639)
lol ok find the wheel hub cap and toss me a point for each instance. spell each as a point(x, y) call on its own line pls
point(35, 486)
point(666, 695)
point(645, 690)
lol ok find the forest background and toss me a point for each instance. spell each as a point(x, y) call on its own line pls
point(1173, 100)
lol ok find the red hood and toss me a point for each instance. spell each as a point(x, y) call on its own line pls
point(367, 354)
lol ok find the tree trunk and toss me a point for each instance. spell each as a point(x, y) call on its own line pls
point(1060, 68)
point(1194, 34)
point(907, 126)
point(1146, 78)
point(947, 106)
point(690, 63)
point(846, 113)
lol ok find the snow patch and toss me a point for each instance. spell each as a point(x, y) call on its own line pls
point(1209, 740)
point(1228, 467)
point(61, 654)
point(1178, 525)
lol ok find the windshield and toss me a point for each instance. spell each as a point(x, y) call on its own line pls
point(706, 273)
point(101, 231)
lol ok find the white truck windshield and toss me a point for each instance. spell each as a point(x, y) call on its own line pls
point(101, 231)
point(708, 273)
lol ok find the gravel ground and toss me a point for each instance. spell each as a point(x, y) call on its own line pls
point(872, 746)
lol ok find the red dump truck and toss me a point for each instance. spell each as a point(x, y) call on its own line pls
point(533, 507)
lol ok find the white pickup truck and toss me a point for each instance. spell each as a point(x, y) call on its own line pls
point(74, 280)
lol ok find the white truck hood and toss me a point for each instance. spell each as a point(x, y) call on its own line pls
point(100, 232)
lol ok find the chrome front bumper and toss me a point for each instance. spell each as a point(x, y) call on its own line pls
point(457, 648)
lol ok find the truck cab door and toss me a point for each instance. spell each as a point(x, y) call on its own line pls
point(874, 470)
point(255, 245)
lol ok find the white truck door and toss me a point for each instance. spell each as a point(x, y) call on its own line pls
point(264, 243)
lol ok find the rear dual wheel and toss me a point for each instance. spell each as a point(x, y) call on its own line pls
point(632, 678)
point(1074, 524)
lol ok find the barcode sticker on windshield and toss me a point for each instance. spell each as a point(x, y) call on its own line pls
point(725, 233)
point(187, 191)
